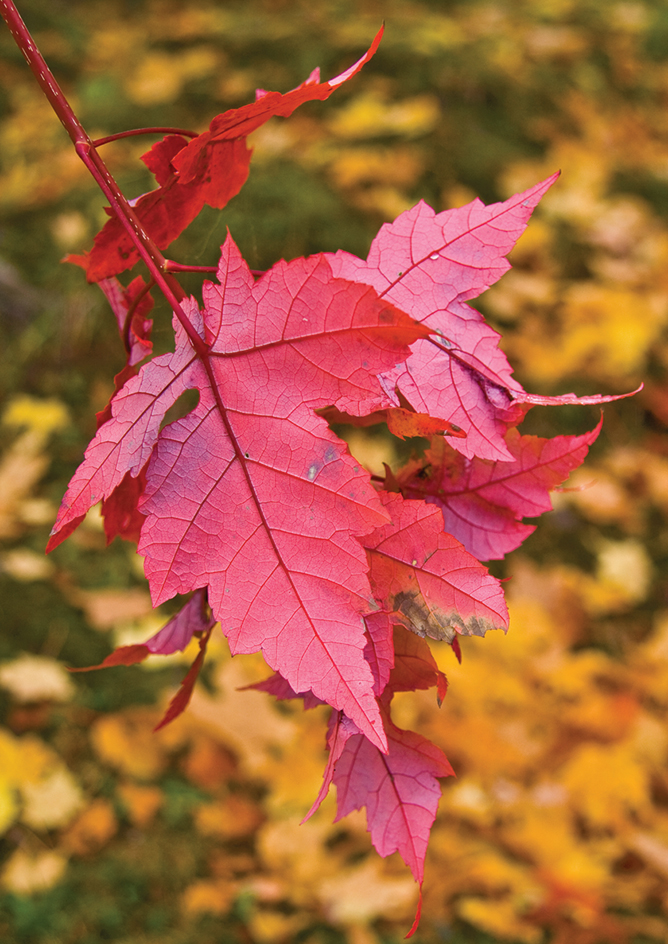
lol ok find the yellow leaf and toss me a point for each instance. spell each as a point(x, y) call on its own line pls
point(25, 874)
point(212, 896)
point(141, 802)
point(370, 114)
point(498, 918)
point(127, 742)
point(606, 783)
point(36, 678)
point(365, 893)
point(52, 802)
point(229, 818)
point(92, 830)
point(9, 805)
point(39, 415)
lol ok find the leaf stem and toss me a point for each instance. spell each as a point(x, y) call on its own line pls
point(127, 324)
point(85, 148)
point(171, 266)
point(135, 131)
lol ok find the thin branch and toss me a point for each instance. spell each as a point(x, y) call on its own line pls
point(85, 148)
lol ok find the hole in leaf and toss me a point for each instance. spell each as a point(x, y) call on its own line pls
point(185, 404)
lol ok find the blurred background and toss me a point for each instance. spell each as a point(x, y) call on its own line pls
point(556, 828)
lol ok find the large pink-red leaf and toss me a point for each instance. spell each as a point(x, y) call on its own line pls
point(483, 502)
point(427, 579)
point(429, 264)
point(251, 494)
point(400, 789)
point(209, 169)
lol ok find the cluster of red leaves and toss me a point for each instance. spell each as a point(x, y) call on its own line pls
point(252, 503)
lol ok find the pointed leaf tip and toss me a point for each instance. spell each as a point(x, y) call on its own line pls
point(418, 915)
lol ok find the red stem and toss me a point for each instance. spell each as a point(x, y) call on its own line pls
point(85, 148)
point(171, 266)
point(179, 267)
point(129, 134)
point(131, 310)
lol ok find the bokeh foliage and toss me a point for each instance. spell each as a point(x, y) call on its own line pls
point(557, 825)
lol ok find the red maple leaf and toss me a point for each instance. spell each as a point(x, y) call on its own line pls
point(483, 502)
point(251, 494)
point(210, 169)
point(429, 265)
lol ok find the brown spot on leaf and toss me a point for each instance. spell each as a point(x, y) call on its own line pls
point(413, 611)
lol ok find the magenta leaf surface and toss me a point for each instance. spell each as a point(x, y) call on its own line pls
point(483, 502)
point(426, 579)
point(251, 494)
point(429, 264)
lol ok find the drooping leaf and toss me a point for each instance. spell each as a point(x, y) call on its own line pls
point(179, 702)
point(173, 637)
point(399, 790)
point(483, 502)
point(209, 169)
point(281, 689)
point(430, 264)
point(427, 579)
point(251, 494)
point(124, 655)
point(193, 617)
point(414, 666)
point(120, 511)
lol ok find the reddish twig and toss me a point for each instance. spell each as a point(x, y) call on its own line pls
point(135, 131)
point(85, 148)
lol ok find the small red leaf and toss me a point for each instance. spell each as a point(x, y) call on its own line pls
point(209, 169)
point(483, 502)
point(405, 424)
point(418, 914)
point(179, 702)
point(194, 617)
point(414, 666)
point(281, 689)
point(131, 305)
point(121, 515)
point(124, 655)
